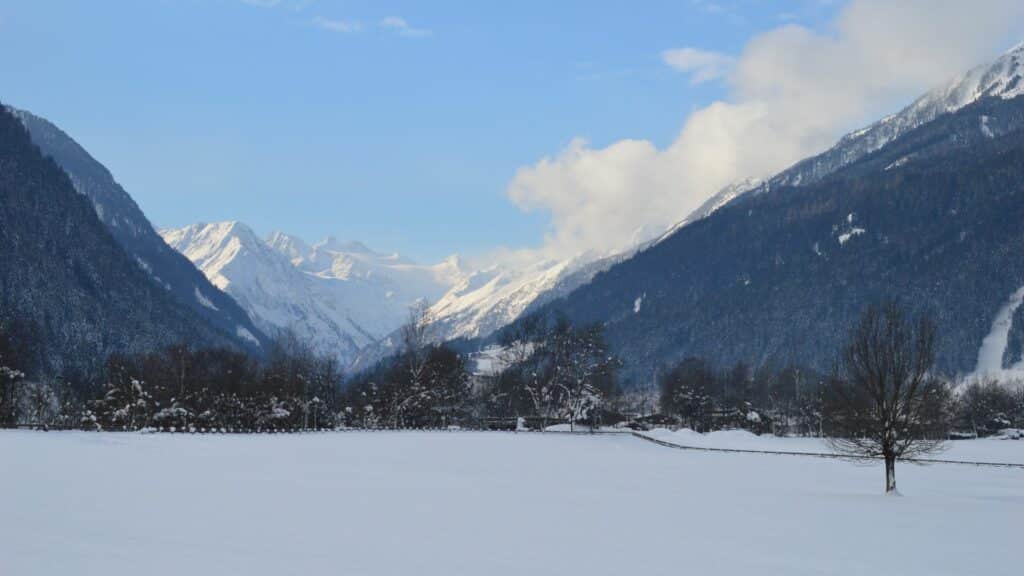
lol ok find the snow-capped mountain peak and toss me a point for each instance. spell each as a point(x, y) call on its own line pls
point(723, 197)
point(1002, 78)
point(292, 247)
point(342, 296)
point(227, 253)
point(332, 244)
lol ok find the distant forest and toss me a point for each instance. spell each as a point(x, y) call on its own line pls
point(546, 374)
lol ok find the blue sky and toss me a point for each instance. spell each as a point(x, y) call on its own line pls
point(323, 117)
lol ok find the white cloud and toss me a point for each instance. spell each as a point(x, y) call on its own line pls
point(342, 26)
point(793, 91)
point(702, 65)
point(402, 28)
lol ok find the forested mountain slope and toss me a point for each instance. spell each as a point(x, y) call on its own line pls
point(932, 218)
point(66, 277)
point(133, 231)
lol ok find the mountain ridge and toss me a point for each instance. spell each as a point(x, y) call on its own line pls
point(68, 278)
point(698, 285)
point(340, 295)
point(126, 222)
point(780, 276)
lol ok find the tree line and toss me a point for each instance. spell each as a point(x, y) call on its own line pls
point(548, 374)
point(180, 389)
point(542, 373)
point(882, 400)
point(561, 374)
point(790, 400)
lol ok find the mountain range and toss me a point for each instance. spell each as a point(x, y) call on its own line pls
point(343, 297)
point(920, 206)
point(350, 301)
point(340, 296)
point(923, 207)
point(473, 303)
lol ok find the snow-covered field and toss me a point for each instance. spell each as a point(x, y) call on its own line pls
point(984, 450)
point(486, 503)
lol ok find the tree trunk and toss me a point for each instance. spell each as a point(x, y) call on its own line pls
point(890, 473)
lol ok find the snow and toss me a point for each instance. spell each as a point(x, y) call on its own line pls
point(490, 361)
point(638, 303)
point(144, 265)
point(341, 296)
point(484, 503)
point(347, 299)
point(993, 346)
point(1002, 78)
point(985, 129)
point(1011, 434)
point(244, 333)
point(721, 198)
point(581, 428)
point(983, 450)
point(204, 301)
point(897, 163)
point(491, 297)
point(845, 236)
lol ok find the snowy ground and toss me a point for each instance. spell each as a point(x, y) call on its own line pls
point(983, 450)
point(485, 503)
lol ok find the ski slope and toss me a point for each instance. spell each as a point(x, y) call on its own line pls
point(399, 503)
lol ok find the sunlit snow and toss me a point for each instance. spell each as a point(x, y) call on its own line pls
point(845, 236)
point(394, 503)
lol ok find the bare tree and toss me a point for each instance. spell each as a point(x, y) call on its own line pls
point(411, 387)
point(415, 336)
point(883, 402)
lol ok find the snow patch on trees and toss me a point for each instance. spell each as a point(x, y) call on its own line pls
point(845, 236)
point(243, 332)
point(204, 301)
point(897, 163)
point(985, 129)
